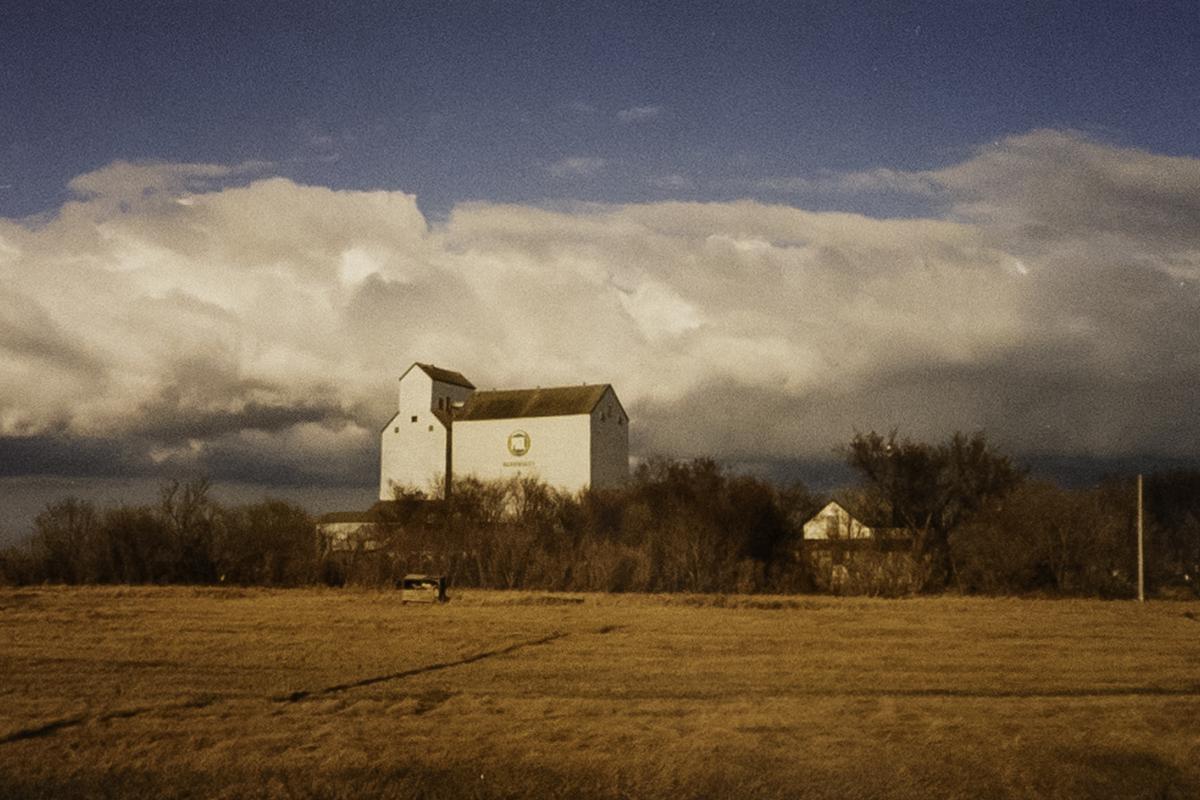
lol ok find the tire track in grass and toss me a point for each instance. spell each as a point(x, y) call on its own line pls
point(54, 726)
point(203, 701)
point(44, 730)
point(308, 694)
point(1018, 694)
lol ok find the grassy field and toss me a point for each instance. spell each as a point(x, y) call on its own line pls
point(181, 692)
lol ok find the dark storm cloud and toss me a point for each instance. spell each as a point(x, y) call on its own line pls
point(239, 459)
point(171, 423)
point(226, 458)
point(66, 454)
point(207, 398)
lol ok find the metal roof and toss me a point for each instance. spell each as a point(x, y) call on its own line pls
point(360, 517)
point(445, 375)
point(554, 401)
point(382, 512)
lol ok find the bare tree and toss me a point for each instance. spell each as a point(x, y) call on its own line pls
point(932, 489)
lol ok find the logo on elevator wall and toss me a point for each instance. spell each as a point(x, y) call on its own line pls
point(518, 443)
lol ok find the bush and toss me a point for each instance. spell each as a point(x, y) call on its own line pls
point(1043, 538)
point(186, 538)
point(272, 543)
point(677, 526)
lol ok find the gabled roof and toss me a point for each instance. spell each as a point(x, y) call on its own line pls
point(362, 517)
point(379, 512)
point(857, 514)
point(555, 401)
point(443, 375)
point(382, 512)
point(881, 527)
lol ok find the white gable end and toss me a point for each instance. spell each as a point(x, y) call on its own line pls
point(835, 522)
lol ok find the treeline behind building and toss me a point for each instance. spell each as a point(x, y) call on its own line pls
point(676, 527)
point(977, 525)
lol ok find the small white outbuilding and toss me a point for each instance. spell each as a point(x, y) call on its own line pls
point(570, 437)
point(835, 523)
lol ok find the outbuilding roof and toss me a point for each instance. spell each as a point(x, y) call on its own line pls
point(360, 517)
point(863, 516)
point(555, 401)
point(445, 375)
point(382, 512)
point(877, 521)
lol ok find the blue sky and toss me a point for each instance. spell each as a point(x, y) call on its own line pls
point(480, 101)
point(225, 228)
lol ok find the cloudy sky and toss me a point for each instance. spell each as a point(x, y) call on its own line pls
point(224, 232)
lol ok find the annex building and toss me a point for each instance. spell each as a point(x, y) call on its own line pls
point(570, 437)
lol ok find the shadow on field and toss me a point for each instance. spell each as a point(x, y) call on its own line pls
point(57, 725)
point(425, 704)
point(1106, 773)
point(293, 697)
point(1078, 775)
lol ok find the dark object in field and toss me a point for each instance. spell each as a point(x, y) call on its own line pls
point(423, 589)
point(545, 600)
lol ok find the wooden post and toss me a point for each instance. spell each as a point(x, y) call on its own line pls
point(449, 473)
point(1141, 551)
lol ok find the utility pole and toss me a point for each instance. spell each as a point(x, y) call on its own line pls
point(1141, 550)
point(452, 409)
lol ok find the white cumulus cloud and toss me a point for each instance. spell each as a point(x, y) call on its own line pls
point(576, 166)
point(639, 113)
point(261, 326)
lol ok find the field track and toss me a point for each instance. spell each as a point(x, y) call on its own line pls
point(198, 692)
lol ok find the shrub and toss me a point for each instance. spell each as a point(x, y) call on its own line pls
point(1044, 538)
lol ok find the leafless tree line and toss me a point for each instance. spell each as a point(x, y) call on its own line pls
point(187, 537)
point(977, 524)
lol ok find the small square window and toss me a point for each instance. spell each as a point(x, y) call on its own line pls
point(414, 419)
point(431, 428)
point(397, 429)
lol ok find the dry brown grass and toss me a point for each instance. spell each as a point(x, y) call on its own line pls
point(181, 692)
